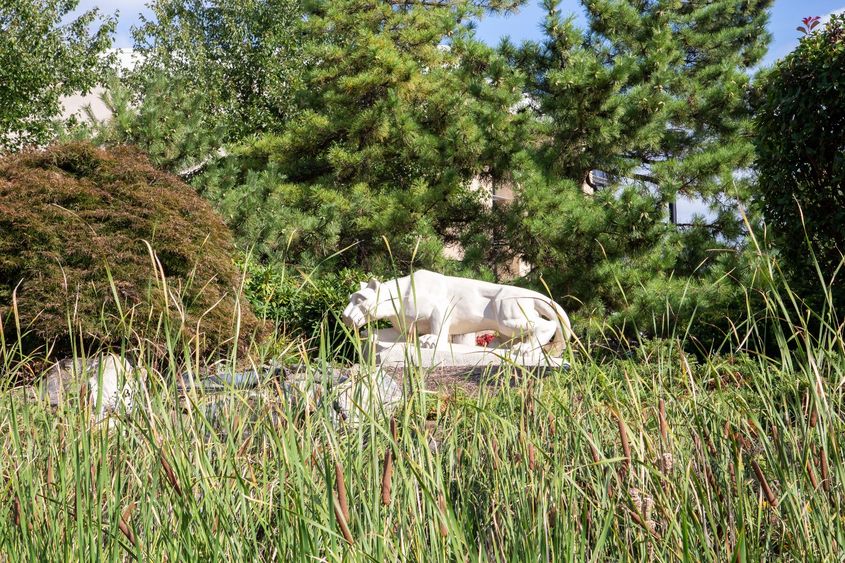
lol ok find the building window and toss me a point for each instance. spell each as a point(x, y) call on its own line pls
point(598, 179)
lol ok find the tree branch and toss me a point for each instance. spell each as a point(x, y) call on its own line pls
point(188, 173)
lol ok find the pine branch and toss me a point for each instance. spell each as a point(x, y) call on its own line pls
point(647, 178)
point(188, 173)
point(489, 5)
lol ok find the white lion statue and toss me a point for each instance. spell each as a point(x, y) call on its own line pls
point(443, 309)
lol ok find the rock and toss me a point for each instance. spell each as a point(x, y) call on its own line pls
point(224, 380)
point(351, 395)
point(371, 393)
point(107, 382)
point(354, 395)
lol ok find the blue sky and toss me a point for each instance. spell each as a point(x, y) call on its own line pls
point(786, 16)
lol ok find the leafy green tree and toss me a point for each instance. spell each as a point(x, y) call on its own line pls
point(240, 59)
point(207, 73)
point(42, 58)
point(403, 109)
point(653, 93)
point(800, 140)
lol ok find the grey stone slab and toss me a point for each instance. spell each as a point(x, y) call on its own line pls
point(401, 354)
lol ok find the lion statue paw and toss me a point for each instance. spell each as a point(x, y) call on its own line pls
point(429, 341)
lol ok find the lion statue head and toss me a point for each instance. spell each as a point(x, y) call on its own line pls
point(362, 304)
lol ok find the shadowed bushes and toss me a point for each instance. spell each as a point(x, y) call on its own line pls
point(303, 305)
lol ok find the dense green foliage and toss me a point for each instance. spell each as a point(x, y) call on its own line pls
point(44, 55)
point(171, 126)
point(343, 136)
point(371, 135)
point(304, 305)
point(653, 94)
point(392, 127)
point(78, 226)
point(800, 137)
point(238, 59)
point(205, 74)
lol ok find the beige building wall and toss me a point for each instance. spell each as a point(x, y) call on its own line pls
point(499, 195)
point(75, 105)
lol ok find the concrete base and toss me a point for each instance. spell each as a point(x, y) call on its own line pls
point(387, 350)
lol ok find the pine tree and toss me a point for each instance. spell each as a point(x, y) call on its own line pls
point(402, 109)
point(171, 125)
point(653, 93)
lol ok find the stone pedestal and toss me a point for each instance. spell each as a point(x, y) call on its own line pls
point(387, 349)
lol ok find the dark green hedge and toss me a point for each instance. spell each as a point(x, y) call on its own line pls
point(800, 141)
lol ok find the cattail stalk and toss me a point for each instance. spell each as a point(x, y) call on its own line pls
point(387, 476)
point(123, 524)
point(644, 525)
point(711, 447)
point(245, 446)
point(84, 396)
point(530, 399)
point(764, 484)
point(342, 523)
point(594, 451)
point(441, 505)
point(340, 483)
point(50, 476)
point(626, 447)
point(812, 474)
point(531, 460)
point(170, 474)
point(664, 426)
point(94, 479)
point(16, 511)
point(825, 470)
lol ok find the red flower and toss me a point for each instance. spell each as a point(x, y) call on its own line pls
point(484, 339)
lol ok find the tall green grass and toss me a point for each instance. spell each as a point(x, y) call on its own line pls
point(658, 456)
